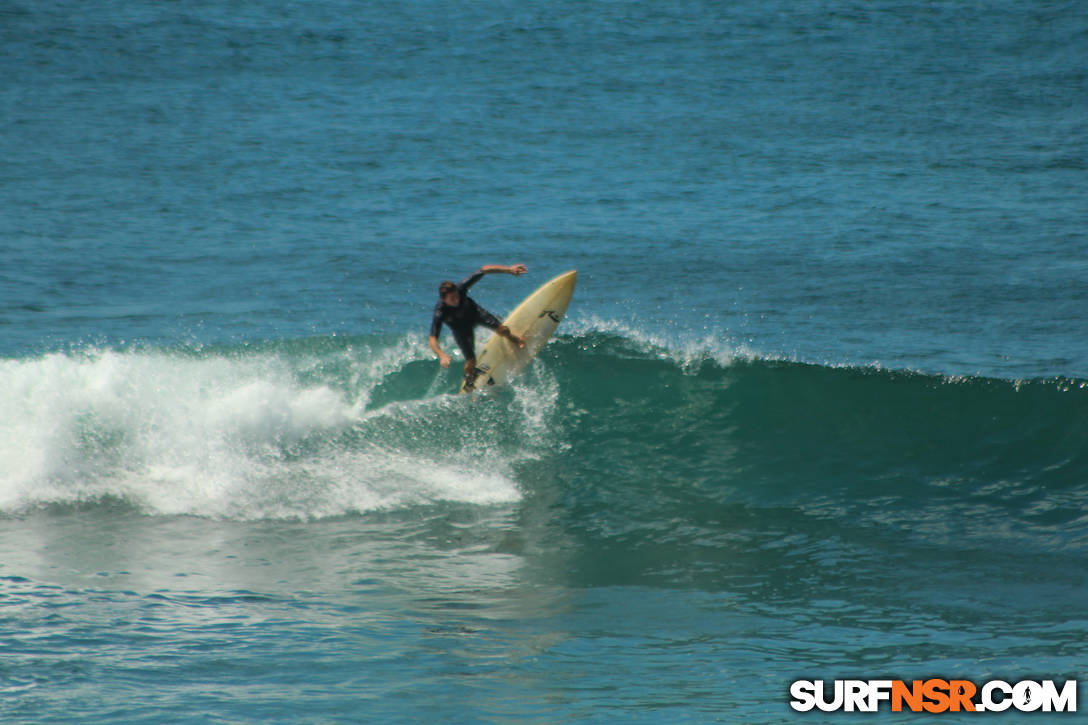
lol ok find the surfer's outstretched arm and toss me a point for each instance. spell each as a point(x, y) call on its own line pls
point(515, 269)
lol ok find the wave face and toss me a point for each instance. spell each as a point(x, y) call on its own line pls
point(626, 434)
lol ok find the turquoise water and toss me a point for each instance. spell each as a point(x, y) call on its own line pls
point(819, 408)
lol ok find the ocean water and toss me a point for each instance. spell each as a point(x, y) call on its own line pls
point(819, 409)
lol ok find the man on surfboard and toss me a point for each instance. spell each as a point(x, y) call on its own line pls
point(461, 314)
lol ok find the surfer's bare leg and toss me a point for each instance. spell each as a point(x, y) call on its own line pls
point(470, 372)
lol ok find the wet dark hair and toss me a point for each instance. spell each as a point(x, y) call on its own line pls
point(445, 288)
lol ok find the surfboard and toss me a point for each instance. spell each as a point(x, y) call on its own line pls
point(534, 320)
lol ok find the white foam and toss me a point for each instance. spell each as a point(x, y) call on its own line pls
point(687, 348)
point(370, 366)
point(221, 436)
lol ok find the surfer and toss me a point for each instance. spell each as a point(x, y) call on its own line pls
point(461, 314)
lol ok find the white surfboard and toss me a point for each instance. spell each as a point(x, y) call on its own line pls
point(534, 320)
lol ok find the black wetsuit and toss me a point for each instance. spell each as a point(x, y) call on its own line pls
point(463, 318)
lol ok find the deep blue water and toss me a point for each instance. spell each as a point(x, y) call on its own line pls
point(819, 408)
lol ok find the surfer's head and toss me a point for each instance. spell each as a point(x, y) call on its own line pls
point(447, 292)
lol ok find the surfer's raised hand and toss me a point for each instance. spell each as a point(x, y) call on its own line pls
point(515, 269)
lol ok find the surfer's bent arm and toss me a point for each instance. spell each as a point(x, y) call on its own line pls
point(504, 331)
point(487, 319)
